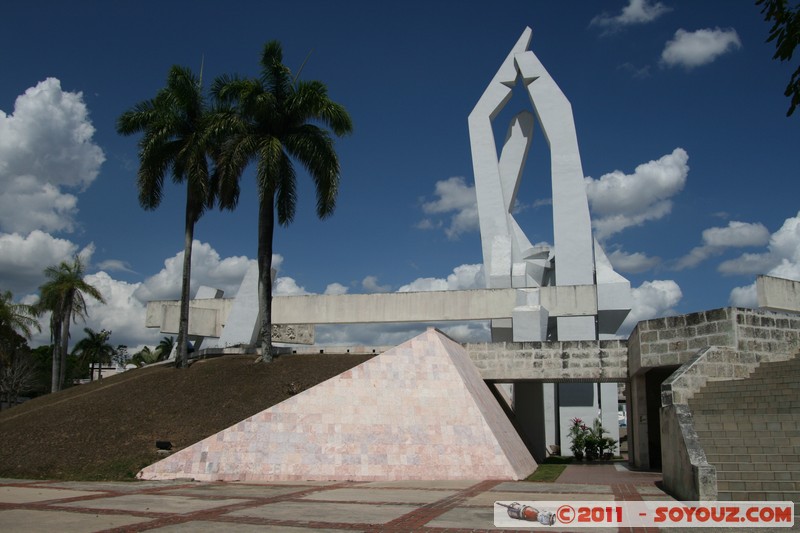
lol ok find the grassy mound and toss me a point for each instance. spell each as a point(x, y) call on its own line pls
point(107, 430)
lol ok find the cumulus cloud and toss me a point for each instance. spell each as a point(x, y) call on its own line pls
point(457, 200)
point(744, 296)
point(651, 299)
point(45, 146)
point(634, 263)
point(783, 253)
point(620, 200)
point(207, 269)
point(782, 259)
point(336, 288)
point(463, 277)
point(286, 286)
point(123, 314)
point(716, 240)
point(370, 284)
point(24, 258)
point(697, 48)
point(636, 12)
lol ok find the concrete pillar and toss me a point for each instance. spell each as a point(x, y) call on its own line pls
point(638, 443)
point(529, 411)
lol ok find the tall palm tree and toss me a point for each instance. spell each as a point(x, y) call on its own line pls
point(175, 126)
point(17, 317)
point(62, 295)
point(94, 348)
point(274, 121)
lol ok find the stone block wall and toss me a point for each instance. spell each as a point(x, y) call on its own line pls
point(551, 361)
point(731, 344)
point(675, 340)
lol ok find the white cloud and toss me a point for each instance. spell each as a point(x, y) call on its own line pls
point(123, 314)
point(716, 240)
point(456, 199)
point(697, 48)
point(620, 200)
point(783, 253)
point(286, 286)
point(336, 288)
point(744, 297)
point(782, 259)
point(636, 12)
point(634, 263)
point(463, 277)
point(115, 265)
point(45, 145)
point(207, 269)
point(651, 299)
point(370, 284)
point(24, 258)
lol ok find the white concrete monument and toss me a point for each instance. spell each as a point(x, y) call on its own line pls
point(510, 260)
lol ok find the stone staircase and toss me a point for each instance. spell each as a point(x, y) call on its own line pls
point(750, 431)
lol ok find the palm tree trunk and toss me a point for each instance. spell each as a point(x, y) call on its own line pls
point(55, 338)
point(64, 341)
point(182, 356)
point(266, 228)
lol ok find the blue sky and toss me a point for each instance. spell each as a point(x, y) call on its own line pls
point(678, 106)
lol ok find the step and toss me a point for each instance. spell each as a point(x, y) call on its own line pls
point(723, 466)
point(748, 435)
point(749, 424)
point(746, 395)
point(771, 496)
point(751, 450)
point(718, 439)
point(714, 458)
point(752, 383)
point(758, 485)
point(720, 410)
point(758, 475)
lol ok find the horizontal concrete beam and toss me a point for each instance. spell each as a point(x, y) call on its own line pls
point(208, 316)
point(433, 306)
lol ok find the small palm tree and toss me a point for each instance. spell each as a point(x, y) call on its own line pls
point(176, 139)
point(17, 317)
point(63, 296)
point(94, 348)
point(145, 356)
point(274, 121)
point(164, 348)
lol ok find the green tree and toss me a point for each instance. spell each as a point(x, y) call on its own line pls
point(164, 347)
point(17, 317)
point(145, 356)
point(274, 121)
point(176, 140)
point(785, 32)
point(63, 296)
point(94, 348)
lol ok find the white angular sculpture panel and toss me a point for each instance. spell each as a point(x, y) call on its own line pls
point(509, 258)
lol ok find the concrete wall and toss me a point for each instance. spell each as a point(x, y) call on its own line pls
point(551, 361)
point(717, 345)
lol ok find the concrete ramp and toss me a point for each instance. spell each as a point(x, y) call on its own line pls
point(418, 411)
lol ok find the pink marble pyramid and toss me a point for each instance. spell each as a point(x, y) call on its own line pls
point(418, 411)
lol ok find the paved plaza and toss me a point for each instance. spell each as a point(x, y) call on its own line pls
point(295, 507)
